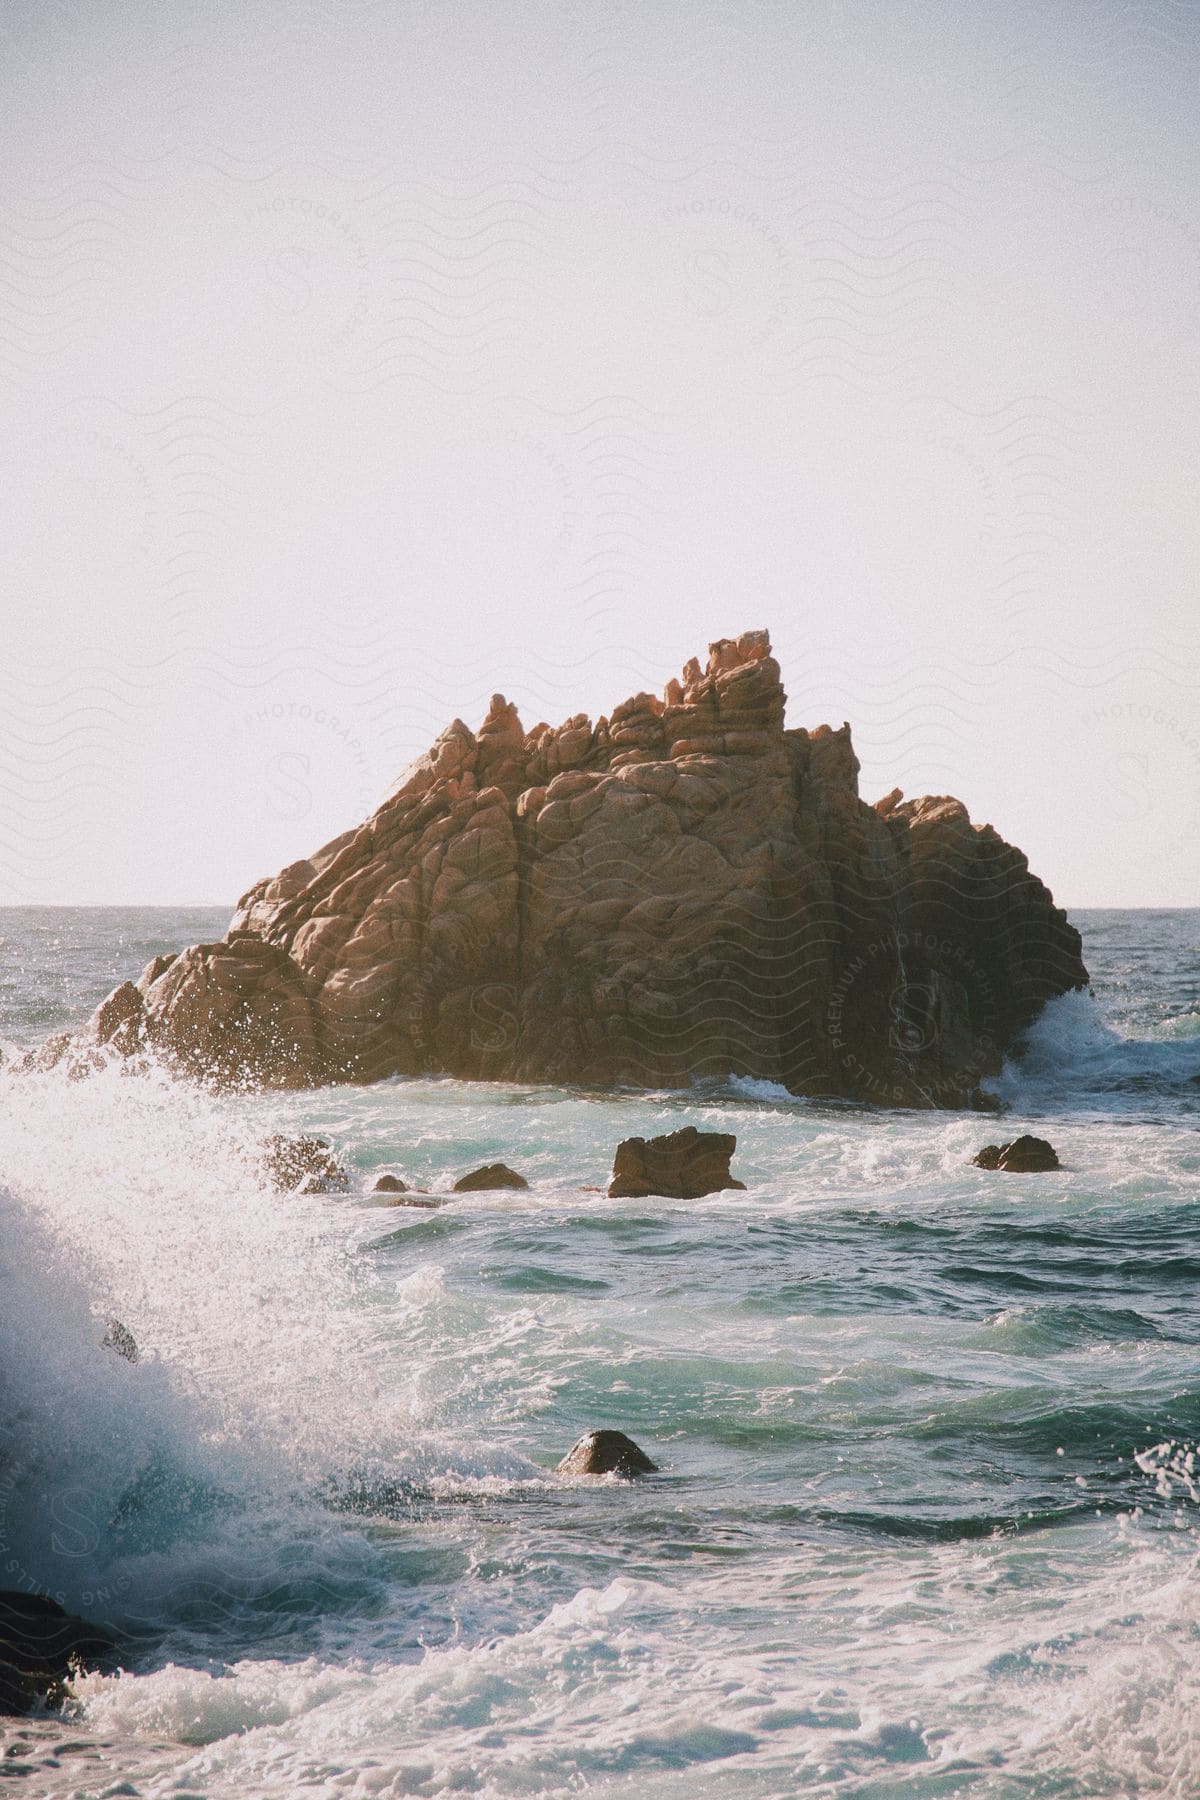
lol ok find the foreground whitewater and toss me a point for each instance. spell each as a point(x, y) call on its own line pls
point(926, 1520)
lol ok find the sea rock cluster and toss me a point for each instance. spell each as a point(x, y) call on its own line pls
point(684, 888)
point(680, 1165)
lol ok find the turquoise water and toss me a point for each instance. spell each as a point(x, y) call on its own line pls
point(925, 1521)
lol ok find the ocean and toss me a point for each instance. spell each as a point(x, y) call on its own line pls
point(926, 1517)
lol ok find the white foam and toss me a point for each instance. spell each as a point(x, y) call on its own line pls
point(260, 1377)
point(1073, 1057)
point(945, 1659)
point(772, 1092)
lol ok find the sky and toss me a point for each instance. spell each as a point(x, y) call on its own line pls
point(362, 359)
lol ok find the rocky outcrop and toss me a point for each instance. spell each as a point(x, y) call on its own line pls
point(1025, 1155)
point(682, 1165)
point(606, 1453)
point(685, 888)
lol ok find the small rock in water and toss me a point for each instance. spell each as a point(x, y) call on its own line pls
point(606, 1453)
point(303, 1164)
point(118, 1337)
point(682, 1165)
point(492, 1175)
point(390, 1184)
point(40, 1644)
point(1025, 1155)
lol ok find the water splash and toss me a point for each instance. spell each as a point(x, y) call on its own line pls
point(1074, 1059)
point(266, 1373)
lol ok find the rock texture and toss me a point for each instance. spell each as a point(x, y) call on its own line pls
point(606, 1453)
point(491, 1175)
point(1023, 1156)
point(685, 888)
point(682, 1165)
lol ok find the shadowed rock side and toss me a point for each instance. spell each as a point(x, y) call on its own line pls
point(682, 889)
point(40, 1647)
point(491, 1175)
point(1023, 1156)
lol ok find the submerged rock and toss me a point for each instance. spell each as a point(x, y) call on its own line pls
point(303, 1164)
point(1025, 1155)
point(491, 1175)
point(685, 888)
point(606, 1453)
point(682, 1165)
point(40, 1647)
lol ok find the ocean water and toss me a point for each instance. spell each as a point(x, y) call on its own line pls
point(926, 1517)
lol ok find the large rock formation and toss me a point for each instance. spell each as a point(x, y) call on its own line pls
point(683, 889)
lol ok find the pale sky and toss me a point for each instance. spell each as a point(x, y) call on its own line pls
point(362, 357)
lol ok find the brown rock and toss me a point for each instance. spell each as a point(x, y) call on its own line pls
point(240, 1010)
point(389, 1184)
point(685, 889)
point(491, 1175)
point(48, 1055)
point(117, 1019)
point(682, 1165)
point(606, 1453)
point(303, 1165)
point(1025, 1155)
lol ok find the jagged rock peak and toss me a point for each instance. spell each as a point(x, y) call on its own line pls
point(502, 720)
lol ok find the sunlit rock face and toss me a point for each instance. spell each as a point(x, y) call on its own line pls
point(684, 889)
